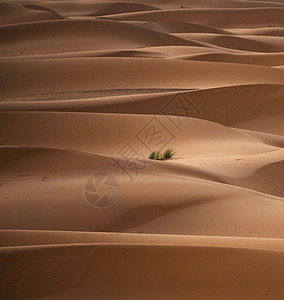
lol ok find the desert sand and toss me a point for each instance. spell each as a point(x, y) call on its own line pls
point(88, 89)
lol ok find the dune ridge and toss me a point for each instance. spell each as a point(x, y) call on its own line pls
point(103, 74)
point(218, 17)
point(11, 13)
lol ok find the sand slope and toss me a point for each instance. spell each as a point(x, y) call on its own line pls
point(43, 76)
point(14, 13)
point(78, 35)
point(266, 59)
point(132, 214)
point(224, 18)
point(85, 266)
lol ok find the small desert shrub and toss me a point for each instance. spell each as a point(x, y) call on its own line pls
point(166, 155)
point(155, 155)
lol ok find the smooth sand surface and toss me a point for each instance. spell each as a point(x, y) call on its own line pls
point(88, 89)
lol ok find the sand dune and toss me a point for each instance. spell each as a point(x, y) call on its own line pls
point(68, 180)
point(110, 8)
point(88, 89)
point(87, 8)
point(271, 174)
point(85, 266)
point(251, 43)
point(180, 27)
point(232, 105)
point(43, 76)
point(13, 13)
point(127, 215)
point(225, 4)
point(267, 31)
point(101, 247)
point(78, 35)
point(82, 137)
point(12, 238)
point(224, 18)
point(72, 8)
point(263, 59)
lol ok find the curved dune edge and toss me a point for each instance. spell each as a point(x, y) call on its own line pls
point(85, 8)
point(238, 18)
point(38, 76)
point(179, 27)
point(82, 137)
point(16, 238)
point(243, 106)
point(199, 192)
point(255, 59)
point(251, 43)
point(101, 8)
point(11, 13)
point(266, 31)
point(81, 270)
point(267, 175)
point(80, 35)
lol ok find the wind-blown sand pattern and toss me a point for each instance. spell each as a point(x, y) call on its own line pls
point(88, 89)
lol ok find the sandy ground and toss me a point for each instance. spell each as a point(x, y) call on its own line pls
point(88, 89)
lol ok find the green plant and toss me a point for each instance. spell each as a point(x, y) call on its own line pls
point(155, 155)
point(166, 155)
